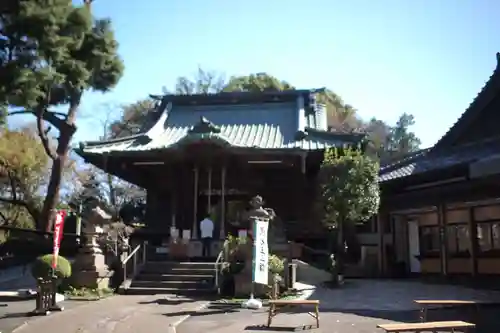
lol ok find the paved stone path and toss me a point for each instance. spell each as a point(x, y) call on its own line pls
point(118, 314)
point(357, 307)
point(393, 295)
point(244, 320)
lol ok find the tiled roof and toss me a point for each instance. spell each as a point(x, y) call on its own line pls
point(427, 160)
point(441, 155)
point(261, 125)
point(489, 91)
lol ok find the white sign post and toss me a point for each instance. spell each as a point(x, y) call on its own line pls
point(260, 272)
point(260, 260)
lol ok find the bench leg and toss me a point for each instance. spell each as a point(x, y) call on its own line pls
point(317, 316)
point(423, 314)
point(271, 314)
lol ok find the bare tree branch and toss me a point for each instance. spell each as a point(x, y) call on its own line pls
point(4, 218)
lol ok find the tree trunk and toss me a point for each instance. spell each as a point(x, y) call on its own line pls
point(340, 248)
point(52, 196)
point(58, 164)
point(112, 192)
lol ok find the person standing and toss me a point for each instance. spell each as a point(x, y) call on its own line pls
point(207, 231)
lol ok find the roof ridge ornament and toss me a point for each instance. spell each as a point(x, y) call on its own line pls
point(204, 126)
point(498, 60)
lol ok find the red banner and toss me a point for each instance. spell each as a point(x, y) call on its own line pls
point(58, 233)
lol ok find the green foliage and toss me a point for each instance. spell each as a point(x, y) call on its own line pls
point(87, 294)
point(23, 168)
point(21, 155)
point(349, 189)
point(401, 138)
point(90, 193)
point(52, 50)
point(256, 83)
point(233, 243)
point(276, 264)
point(42, 267)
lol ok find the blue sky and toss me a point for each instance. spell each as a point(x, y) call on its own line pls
point(427, 57)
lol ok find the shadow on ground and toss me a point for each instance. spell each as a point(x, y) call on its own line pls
point(212, 309)
point(487, 317)
point(279, 328)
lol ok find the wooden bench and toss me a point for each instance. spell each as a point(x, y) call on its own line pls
point(276, 305)
point(424, 305)
point(431, 326)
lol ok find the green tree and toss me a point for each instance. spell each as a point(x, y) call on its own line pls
point(51, 52)
point(133, 118)
point(401, 139)
point(349, 191)
point(23, 166)
point(256, 83)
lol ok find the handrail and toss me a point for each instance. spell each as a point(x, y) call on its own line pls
point(218, 262)
point(134, 256)
point(131, 254)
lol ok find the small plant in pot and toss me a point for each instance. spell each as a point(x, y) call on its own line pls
point(276, 268)
point(334, 271)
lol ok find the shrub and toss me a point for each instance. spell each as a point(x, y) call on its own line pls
point(42, 267)
point(276, 264)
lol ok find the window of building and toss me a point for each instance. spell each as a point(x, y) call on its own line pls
point(429, 239)
point(458, 238)
point(488, 236)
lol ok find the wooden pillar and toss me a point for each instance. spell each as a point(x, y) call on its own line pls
point(194, 232)
point(222, 232)
point(380, 243)
point(209, 196)
point(474, 246)
point(173, 208)
point(443, 238)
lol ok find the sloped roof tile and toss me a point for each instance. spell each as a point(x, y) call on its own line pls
point(258, 125)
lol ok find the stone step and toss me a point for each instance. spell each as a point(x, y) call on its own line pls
point(180, 268)
point(181, 285)
point(181, 264)
point(145, 276)
point(171, 291)
point(177, 271)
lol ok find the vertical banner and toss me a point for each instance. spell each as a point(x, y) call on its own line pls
point(260, 252)
point(58, 233)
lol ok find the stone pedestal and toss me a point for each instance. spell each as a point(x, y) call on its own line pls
point(178, 250)
point(243, 280)
point(90, 269)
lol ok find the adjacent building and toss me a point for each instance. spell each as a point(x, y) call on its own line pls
point(440, 210)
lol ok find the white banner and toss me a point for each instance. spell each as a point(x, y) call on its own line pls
point(260, 252)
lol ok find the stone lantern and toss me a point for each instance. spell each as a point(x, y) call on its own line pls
point(90, 269)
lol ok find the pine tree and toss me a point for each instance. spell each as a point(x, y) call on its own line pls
point(51, 52)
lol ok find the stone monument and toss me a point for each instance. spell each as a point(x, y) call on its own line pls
point(90, 269)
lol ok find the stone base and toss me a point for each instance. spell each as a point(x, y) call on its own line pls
point(243, 286)
point(91, 279)
point(178, 250)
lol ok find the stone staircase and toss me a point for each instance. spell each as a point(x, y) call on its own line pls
point(175, 278)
